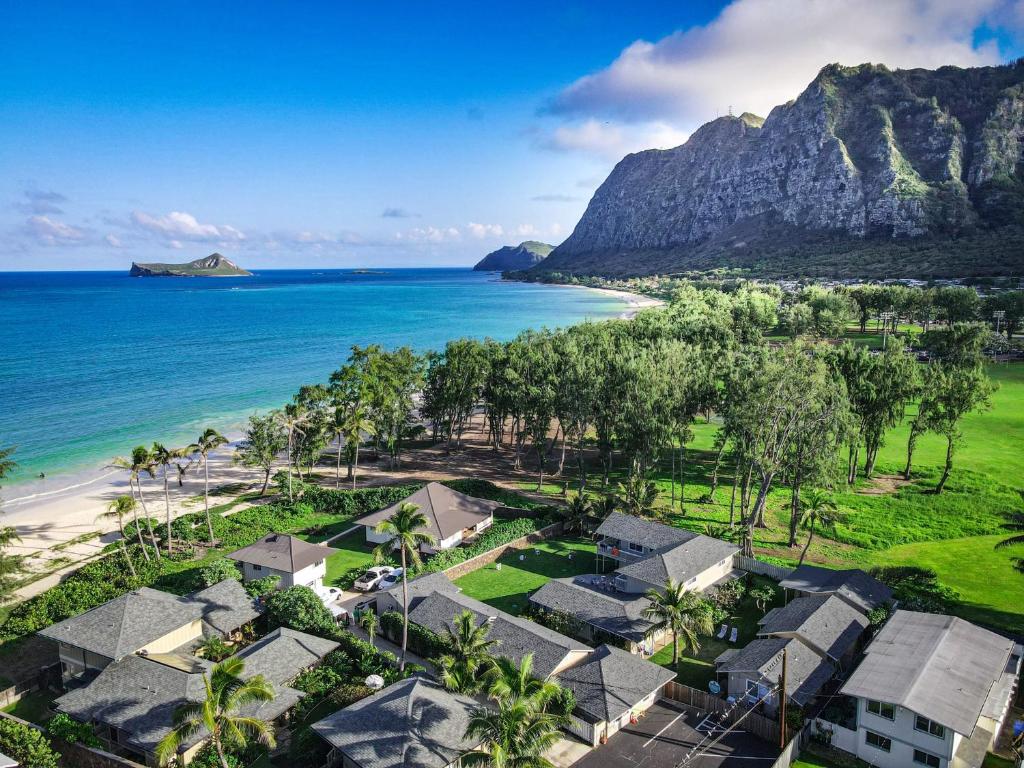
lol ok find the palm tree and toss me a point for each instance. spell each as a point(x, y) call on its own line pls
point(682, 613)
point(511, 682)
point(357, 421)
point(467, 654)
point(1014, 522)
point(11, 566)
point(575, 512)
point(514, 736)
point(217, 716)
point(405, 533)
point(291, 419)
point(118, 508)
point(636, 496)
point(164, 458)
point(140, 461)
point(818, 510)
point(210, 440)
point(368, 621)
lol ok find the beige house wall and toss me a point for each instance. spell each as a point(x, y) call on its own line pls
point(176, 639)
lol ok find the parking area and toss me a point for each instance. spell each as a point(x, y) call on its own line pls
point(667, 734)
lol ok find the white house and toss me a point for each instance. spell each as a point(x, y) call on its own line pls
point(452, 517)
point(294, 561)
point(931, 691)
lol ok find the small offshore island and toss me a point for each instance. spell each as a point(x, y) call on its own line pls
point(213, 265)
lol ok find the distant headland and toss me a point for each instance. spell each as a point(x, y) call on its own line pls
point(213, 265)
point(523, 256)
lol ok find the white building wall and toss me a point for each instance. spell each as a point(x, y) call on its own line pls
point(310, 576)
point(905, 739)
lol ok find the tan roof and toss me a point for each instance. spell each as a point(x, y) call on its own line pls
point(282, 553)
point(447, 511)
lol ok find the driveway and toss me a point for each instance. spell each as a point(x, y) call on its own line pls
point(667, 733)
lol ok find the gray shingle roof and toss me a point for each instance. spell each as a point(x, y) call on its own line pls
point(825, 622)
point(282, 553)
point(423, 586)
point(125, 624)
point(806, 671)
point(139, 696)
point(682, 561)
point(639, 531)
point(226, 606)
point(283, 654)
point(854, 585)
point(606, 611)
point(937, 666)
point(447, 511)
point(414, 723)
point(612, 681)
point(516, 637)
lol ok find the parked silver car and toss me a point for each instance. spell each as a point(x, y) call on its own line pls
point(393, 578)
point(370, 580)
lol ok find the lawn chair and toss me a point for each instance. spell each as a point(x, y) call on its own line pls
point(734, 634)
point(722, 631)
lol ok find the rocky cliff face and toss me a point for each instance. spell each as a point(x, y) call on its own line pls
point(863, 155)
point(213, 265)
point(514, 257)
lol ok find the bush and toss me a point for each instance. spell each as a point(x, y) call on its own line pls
point(917, 589)
point(422, 641)
point(262, 587)
point(502, 532)
point(301, 609)
point(26, 746)
point(64, 728)
point(219, 570)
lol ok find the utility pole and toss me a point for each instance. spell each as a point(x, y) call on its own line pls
point(782, 702)
point(885, 317)
point(998, 315)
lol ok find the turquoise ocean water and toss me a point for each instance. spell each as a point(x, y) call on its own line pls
point(93, 363)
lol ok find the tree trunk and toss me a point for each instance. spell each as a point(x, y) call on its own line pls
point(755, 514)
point(949, 465)
point(149, 521)
point(337, 470)
point(128, 557)
point(135, 521)
point(355, 464)
point(673, 479)
point(714, 473)
point(732, 499)
point(206, 496)
point(540, 465)
point(405, 611)
point(794, 510)
point(220, 754)
point(682, 478)
point(675, 649)
point(561, 459)
point(167, 504)
point(810, 537)
point(288, 458)
point(911, 445)
point(266, 480)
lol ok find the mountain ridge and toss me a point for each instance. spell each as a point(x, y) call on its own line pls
point(527, 254)
point(214, 265)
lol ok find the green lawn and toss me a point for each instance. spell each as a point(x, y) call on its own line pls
point(509, 588)
point(697, 669)
point(33, 707)
point(354, 554)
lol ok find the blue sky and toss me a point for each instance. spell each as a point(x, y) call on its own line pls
point(405, 134)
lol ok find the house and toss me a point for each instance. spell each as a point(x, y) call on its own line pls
point(754, 673)
point(516, 637)
point(828, 625)
point(414, 723)
point(147, 621)
point(862, 591)
point(452, 517)
point(648, 553)
point(599, 611)
point(132, 701)
point(611, 687)
point(931, 691)
point(419, 588)
point(295, 562)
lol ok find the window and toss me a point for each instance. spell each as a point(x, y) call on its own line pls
point(880, 708)
point(691, 582)
point(925, 725)
point(257, 567)
point(878, 741)
point(319, 563)
point(635, 547)
point(926, 758)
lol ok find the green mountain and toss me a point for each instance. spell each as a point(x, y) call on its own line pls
point(511, 257)
point(869, 172)
point(213, 265)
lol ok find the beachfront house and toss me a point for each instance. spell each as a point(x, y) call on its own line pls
point(295, 562)
point(414, 723)
point(930, 691)
point(452, 517)
point(828, 625)
point(861, 590)
point(612, 688)
point(147, 622)
point(754, 673)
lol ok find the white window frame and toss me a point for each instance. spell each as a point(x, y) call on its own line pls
point(929, 725)
point(881, 706)
point(880, 737)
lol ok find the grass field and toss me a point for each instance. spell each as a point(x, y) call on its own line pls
point(509, 587)
point(354, 553)
point(33, 707)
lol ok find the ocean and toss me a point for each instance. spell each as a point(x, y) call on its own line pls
point(94, 363)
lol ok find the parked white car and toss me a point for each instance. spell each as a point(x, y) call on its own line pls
point(393, 578)
point(372, 578)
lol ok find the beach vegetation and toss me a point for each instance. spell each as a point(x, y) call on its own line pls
point(209, 441)
point(12, 566)
point(262, 442)
point(117, 509)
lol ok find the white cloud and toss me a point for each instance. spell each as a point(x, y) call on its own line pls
point(113, 241)
point(755, 55)
point(38, 201)
point(430, 235)
point(480, 231)
point(178, 225)
point(52, 232)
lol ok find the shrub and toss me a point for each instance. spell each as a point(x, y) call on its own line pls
point(422, 641)
point(214, 649)
point(62, 727)
point(217, 571)
point(917, 589)
point(26, 746)
point(262, 587)
point(502, 532)
point(301, 609)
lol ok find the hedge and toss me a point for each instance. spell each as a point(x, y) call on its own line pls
point(422, 641)
point(25, 745)
point(502, 532)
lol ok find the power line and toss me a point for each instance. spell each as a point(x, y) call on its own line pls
point(694, 754)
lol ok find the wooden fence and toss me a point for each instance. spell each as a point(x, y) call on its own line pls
point(41, 679)
point(753, 565)
point(753, 722)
